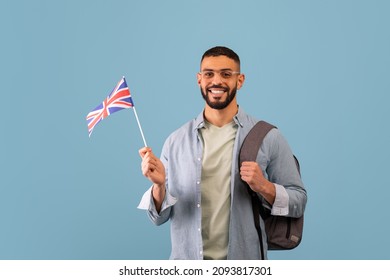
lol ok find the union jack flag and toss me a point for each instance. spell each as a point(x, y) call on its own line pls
point(118, 99)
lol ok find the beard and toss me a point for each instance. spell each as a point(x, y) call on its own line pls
point(219, 105)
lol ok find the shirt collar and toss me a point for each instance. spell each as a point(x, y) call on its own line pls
point(199, 121)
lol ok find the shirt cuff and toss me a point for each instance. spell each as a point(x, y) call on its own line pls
point(280, 206)
point(147, 202)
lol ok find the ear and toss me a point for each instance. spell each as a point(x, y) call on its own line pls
point(241, 80)
point(199, 78)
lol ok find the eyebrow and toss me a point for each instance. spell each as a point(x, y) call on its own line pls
point(223, 69)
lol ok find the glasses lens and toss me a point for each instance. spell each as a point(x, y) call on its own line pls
point(224, 74)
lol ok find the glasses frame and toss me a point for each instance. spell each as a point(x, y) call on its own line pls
point(202, 73)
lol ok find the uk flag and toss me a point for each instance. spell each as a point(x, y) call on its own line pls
point(118, 99)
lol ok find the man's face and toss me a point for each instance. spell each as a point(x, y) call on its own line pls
point(219, 80)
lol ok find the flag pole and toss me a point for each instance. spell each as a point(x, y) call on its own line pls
point(139, 125)
point(136, 117)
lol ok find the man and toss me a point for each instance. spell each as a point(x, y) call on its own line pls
point(197, 182)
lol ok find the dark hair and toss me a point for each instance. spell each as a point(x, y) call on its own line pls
point(217, 51)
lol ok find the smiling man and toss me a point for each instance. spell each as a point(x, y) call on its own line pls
point(198, 184)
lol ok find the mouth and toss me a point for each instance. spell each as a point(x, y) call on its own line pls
point(218, 97)
point(217, 92)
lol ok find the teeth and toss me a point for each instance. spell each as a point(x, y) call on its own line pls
point(217, 91)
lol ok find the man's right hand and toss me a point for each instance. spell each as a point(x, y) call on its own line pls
point(152, 167)
point(154, 170)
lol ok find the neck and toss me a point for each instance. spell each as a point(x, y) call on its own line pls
point(220, 117)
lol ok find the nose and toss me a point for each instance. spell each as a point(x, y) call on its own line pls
point(217, 79)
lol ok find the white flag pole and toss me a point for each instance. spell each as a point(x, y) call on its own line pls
point(136, 117)
point(139, 125)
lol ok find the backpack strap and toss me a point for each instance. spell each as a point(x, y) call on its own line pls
point(248, 152)
point(253, 141)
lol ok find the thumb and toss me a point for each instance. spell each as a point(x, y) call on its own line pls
point(143, 151)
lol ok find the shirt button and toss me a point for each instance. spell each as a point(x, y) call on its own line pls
point(201, 252)
point(198, 205)
point(199, 159)
point(197, 182)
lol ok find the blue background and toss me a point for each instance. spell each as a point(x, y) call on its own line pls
point(319, 70)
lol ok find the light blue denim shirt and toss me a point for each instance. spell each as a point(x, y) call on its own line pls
point(182, 158)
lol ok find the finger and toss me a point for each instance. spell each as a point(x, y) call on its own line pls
point(253, 166)
point(244, 172)
point(150, 158)
point(249, 163)
point(149, 163)
point(246, 169)
point(246, 175)
point(143, 151)
point(245, 178)
point(149, 168)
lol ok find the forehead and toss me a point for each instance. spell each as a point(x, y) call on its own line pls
point(218, 62)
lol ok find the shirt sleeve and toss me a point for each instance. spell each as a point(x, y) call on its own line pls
point(291, 196)
point(147, 203)
point(281, 203)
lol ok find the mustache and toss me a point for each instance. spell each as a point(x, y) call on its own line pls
point(218, 87)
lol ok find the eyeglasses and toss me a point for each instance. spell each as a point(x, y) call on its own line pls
point(224, 74)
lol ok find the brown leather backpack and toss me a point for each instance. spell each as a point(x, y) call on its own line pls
point(283, 233)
